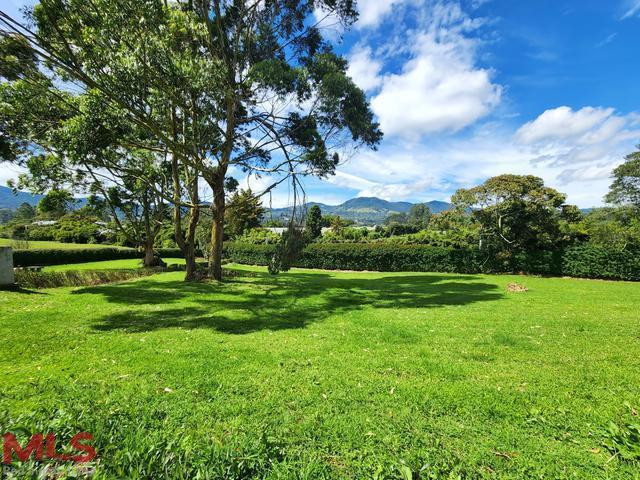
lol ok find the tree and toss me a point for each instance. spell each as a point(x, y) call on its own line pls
point(55, 203)
point(314, 222)
point(419, 215)
point(217, 84)
point(244, 211)
point(6, 215)
point(625, 189)
point(24, 213)
point(611, 227)
point(516, 213)
point(399, 218)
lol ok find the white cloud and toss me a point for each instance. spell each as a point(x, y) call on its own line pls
point(373, 11)
point(573, 151)
point(563, 123)
point(364, 69)
point(439, 87)
point(438, 90)
point(631, 8)
point(607, 40)
point(9, 171)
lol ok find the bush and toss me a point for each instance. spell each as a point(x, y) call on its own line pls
point(78, 278)
point(27, 258)
point(249, 254)
point(598, 262)
point(388, 258)
point(581, 261)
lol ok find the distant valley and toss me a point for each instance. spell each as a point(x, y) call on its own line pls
point(363, 210)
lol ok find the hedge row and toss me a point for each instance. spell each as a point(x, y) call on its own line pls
point(581, 261)
point(79, 278)
point(47, 257)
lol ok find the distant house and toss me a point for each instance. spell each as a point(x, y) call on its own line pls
point(278, 230)
point(44, 223)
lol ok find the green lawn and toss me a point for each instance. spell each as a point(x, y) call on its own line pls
point(329, 375)
point(108, 265)
point(38, 245)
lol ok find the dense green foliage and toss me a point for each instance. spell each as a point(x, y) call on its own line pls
point(313, 223)
point(194, 85)
point(625, 189)
point(317, 375)
point(579, 261)
point(244, 211)
point(516, 213)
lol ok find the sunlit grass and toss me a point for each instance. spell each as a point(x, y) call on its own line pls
point(108, 265)
point(329, 375)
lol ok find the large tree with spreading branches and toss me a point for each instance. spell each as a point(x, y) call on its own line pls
point(221, 86)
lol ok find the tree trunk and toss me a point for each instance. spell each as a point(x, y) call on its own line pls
point(190, 245)
point(149, 259)
point(217, 233)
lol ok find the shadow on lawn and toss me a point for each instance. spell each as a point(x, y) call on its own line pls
point(286, 301)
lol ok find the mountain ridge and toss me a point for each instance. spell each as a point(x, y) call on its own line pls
point(362, 210)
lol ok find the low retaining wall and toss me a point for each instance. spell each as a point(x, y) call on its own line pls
point(6, 267)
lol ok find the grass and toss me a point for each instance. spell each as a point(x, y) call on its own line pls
point(42, 245)
point(108, 265)
point(330, 375)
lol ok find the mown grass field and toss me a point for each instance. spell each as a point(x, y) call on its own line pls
point(39, 245)
point(330, 375)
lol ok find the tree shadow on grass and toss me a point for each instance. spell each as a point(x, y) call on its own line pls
point(264, 302)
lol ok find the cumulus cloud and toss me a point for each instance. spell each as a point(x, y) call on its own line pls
point(438, 90)
point(574, 151)
point(364, 69)
point(438, 86)
point(563, 123)
point(587, 142)
point(373, 11)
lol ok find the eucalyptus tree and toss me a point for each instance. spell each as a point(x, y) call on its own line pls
point(625, 189)
point(224, 86)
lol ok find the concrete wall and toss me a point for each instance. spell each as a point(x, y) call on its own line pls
point(6, 266)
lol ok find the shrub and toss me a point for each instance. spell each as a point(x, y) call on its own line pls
point(581, 261)
point(78, 278)
point(250, 254)
point(27, 258)
point(598, 262)
point(259, 236)
point(388, 258)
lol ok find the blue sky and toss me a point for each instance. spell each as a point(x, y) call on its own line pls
point(468, 89)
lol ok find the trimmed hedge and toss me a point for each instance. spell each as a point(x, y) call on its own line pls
point(44, 257)
point(48, 257)
point(79, 278)
point(598, 262)
point(580, 261)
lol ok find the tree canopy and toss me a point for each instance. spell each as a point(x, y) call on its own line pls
point(213, 85)
point(625, 189)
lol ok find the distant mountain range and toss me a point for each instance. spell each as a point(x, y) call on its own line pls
point(12, 201)
point(363, 210)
